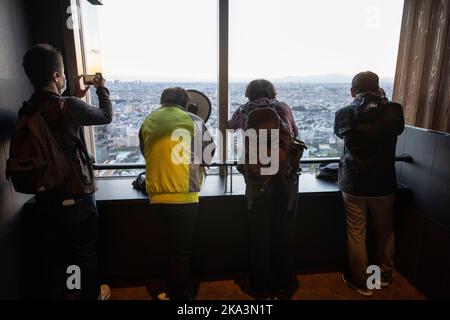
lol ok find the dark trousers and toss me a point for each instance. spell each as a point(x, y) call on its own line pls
point(69, 237)
point(273, 238)
point(180, 221)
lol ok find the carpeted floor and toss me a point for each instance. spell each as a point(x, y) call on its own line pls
point(324, 286)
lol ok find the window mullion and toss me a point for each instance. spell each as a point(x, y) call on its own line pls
point(223, 100)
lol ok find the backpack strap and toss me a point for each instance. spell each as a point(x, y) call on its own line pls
point(272, 104)
point(86, 157)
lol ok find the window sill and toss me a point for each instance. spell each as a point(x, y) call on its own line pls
point(120, 189)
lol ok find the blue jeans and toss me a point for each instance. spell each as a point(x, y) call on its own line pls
point(69, 237)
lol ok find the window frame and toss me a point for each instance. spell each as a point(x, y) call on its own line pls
point(77, 65)
point(75, 56)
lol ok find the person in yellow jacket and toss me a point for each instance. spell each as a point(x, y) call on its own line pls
point(176, 146)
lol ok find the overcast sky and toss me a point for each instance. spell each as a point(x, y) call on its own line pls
point(177, 39)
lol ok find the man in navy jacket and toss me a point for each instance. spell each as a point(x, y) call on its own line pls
point(369, 126)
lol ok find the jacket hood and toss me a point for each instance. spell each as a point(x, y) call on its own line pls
point(369, 107)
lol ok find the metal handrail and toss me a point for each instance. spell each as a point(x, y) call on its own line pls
point(140, 166)
point(136, 166)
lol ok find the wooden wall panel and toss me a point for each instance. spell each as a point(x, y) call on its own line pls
point(442, 114)
point(6, 200)
point(14, 89)
point(433, 68)
point(422, 81)
point(422, 215)
point(401, 76)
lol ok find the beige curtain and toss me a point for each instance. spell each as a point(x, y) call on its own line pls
point(422, 81)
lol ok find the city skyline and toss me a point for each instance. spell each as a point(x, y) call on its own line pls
point(311, 57)
point(313, 106)
point(340, 78)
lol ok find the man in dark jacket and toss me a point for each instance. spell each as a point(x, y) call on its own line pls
point(69, 215)
point(369, 127)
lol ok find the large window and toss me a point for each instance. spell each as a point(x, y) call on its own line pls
point(146, 46)
point(310, 49)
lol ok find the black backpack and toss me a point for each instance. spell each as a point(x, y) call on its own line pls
point(139, 183)
point(36, 161)
point(328, 171)
point(290, 149)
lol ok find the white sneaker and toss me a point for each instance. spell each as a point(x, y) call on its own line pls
point(163, 296)
point(105, 292)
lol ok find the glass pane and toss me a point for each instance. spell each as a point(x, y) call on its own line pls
point(145, 47)
point(311, 50)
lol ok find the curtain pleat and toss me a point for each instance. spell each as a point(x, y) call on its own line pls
point(422, 81)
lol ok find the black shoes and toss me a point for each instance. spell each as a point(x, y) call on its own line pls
point(362, 290)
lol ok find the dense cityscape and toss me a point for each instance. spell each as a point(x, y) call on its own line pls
point(314, 106)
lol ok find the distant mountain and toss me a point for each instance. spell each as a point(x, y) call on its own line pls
point(326, 78)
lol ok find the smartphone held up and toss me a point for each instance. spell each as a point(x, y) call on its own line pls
point(90, 80)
